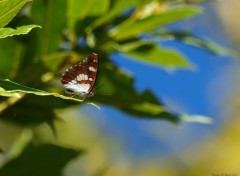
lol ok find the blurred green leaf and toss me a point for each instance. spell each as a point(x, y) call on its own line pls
point(6, 32)
point(209, 45)
point(157, 56)
point(10, 52)
point(98, 7)
point(32, 110)
point(190, 39)
point(54, 61)
point(52, 20)
point(132, 28)
point(9, 10)
point(117, 7)
point(196, 119)
point(4, 93)
point(46, 159)
point(78, 10)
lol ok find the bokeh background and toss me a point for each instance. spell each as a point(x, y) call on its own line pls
point(122, 144)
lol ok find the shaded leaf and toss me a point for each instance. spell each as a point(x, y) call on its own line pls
point(6, 32)
point(10, 52)
point(40, 160)
point(131, 27)
point(47, 14)
point(125, 98)
point(33, 110)
point(9, 10)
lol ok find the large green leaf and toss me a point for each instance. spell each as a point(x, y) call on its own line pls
point(12, 87)
point(46, 159)
point(7, 32)
point(133, 27)
point(9, 10)
point(51, 15)
point(32, 106)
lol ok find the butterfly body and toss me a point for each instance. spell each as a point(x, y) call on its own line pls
point(80, 78)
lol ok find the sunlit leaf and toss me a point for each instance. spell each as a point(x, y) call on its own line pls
point(5, 93)
point(117, 7)
point(34, 158)
point(196, 119)
point(12, 87)
point(131, 27)
point(6, 32)
point(79, 9)
point(9, 10)
point(30, 106)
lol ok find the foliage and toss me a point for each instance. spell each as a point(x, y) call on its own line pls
point(34, 62)
point(9, 10)
point(43, 157)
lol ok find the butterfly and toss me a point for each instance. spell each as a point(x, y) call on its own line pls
point(80, 78)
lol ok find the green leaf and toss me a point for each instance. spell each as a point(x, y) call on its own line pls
point(51, 15)
point(9, 10)
point(40, 160)
point(130, 28)
point(4, 93)
point(117, 7)
point(12, 87)
point(98, 7)
point(6, 32)
point(207, 45)
point(156, 56)
point(32, 106)
point(190, 39)
point(79, 9)
point(32, 110)
point(10, 52)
